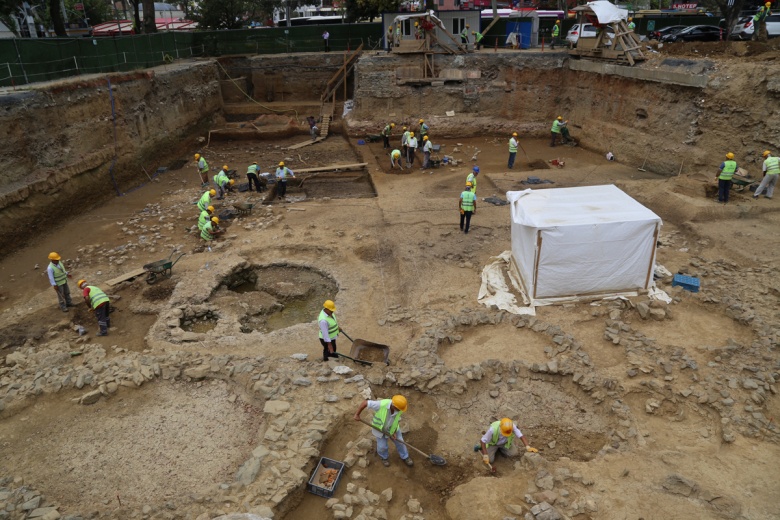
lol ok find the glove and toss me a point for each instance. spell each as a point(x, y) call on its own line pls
point(462, 212)
point(531, 450)
point(486, 459)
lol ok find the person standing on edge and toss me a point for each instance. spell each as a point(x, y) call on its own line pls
point(282, 173)
point(329, 330)
point(386, 134)
point(427, 147)
point(203, 170)
point(387, 414)
point(556, 31)
point(58, 278)
point(472, 178)
point(326, 40)
point(405, 143)
point(771, 173)
point(97, 300)
point(411, 150)
point(467, 204)
point(512, 150)
point(727, 170)
point(759, 22)
point(499, 437)
point(251, 175)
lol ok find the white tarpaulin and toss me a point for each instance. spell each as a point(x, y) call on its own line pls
point(591, 241)
point(607, 12)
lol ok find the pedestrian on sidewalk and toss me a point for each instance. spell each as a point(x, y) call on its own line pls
point(512, 150)
point(97, 300)
point(467, 204)
point(326, 40)
point(771, 173)
point(58, 278)
point(556, 31)
point(727, 170)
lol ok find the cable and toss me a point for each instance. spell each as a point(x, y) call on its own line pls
point(250, 98)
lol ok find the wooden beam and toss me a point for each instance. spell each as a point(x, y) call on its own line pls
point(495, 19)
point(127, 276)
point(354, 166)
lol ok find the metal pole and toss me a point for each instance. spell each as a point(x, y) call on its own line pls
point(77, 65)
point(19, 57)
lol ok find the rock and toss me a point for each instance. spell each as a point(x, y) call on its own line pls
point(679, 485)
point(276, 407)
point(749, 384)
point(387, 494)
point(644, 309)
point(651, 405)
point(544, 480)
point(331, 502)
point(515, 509)
point(49, 513)
point(90, 397)
point(241, 516)
point(658, 314)
point(414, 506)
point(197, 373)
point(300, 357)
point(248, 471)
point(342, 369)
point(302, 381)
point(31, 504)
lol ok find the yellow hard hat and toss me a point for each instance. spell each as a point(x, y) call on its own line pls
point(425, 138)
point(766, 153)
point(468, 26)
point(80, 283)
point(422, 121)
point(514, 134)
point(215, 220)
point(473, 32)
point(629, 18)
point(506, 427)
point(254, 162)
point(329, 305)
point(232, 182)
point(558, 21)
point(729, 155)
point(404, 128)
point(392, 125)
point(411, 134)
point(416, 24)
point(469, 184)
point(197, 156)
point(399, 402)
point(560, 118)
point(212, 192)
point(768, 4)
point(211, 209)
point(54, 256)
point(281, 163)
point(225, 167)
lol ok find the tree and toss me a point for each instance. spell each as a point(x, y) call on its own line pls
point(149, 25)
point(95, 11)
point(729, 11)
point(231, 14)
point(8, 9)
point(55, 11)
point(367, 9)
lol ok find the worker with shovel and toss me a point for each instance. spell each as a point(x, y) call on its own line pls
point(500, 436)
point(203, 170)
point(512, 150)
point(387, 414)
point(205, 216)
point(205, 200)
point(405, 143)
point(329, 330)
point(97, 300)
point(58, 278)
point(395, 159)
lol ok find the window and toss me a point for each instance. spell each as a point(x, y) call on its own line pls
point(458, 24)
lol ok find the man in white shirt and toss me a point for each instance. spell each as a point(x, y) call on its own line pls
point(412, 148)
point(387, 413)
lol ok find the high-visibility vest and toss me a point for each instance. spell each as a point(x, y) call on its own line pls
point(96, 296)
point(203, 165)
point(728, 171)
point(467, 201)
point(556, 31)
point(632, 26)
point(428, 146)
point(252, 169)
point(381, 416)
point(761, 14)
point(423, 129)
point(205, 232)
point(221, 178)
point(473, 180)
point(281, 173)
point(405, 138)
point(333, 325)
point(478, 37)
point(204, 217)
point(386, 130)
point(512, 145)
point(556, 127)
point(396, 154)
point(772, 165)
point(205, 201)
point(496, 427)
point(60, 274)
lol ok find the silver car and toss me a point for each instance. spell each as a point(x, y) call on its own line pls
point(745, 27)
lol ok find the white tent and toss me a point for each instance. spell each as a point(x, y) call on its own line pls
point(592, 241)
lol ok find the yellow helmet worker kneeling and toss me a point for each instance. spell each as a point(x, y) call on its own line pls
point(500, 436)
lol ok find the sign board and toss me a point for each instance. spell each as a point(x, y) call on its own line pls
point(78, 7)
point(685, 6)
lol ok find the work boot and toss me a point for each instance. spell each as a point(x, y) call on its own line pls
point(409, 462)
point(385, 463)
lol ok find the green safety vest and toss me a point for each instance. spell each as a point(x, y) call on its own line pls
point(203, 165)
point(473, 180)
point(386, 130)
point(772, 165)
point(396, 154)
point(221, 178)
point(556, 127)
point(428, 146)
point(96, 296)
point(252, 169)
point(729, 168)
point(478, 37)
point(333, 325)
point(60, 274)
point(381, 416)
point(423, 130)
point(467, 201)
point(205, 201)
point(512, 145)
point(464, 33)
point(205, 232)
point(761, 14)
point(556, 31)
point(405, 137)
point(203, 218)
point(496, 427)
point(632, 26)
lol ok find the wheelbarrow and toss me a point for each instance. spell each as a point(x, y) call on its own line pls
point(741, 181)
point(243, 208)
point(373, 138)
point(359, 345)
point(160, 268)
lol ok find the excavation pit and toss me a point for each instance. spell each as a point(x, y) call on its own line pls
point(201, 323)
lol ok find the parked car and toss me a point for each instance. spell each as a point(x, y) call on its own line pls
point(745, 27)
point(660, 33)
point(695, 33)
point(588, 31)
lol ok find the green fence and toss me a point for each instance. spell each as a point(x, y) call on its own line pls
point(24, 61)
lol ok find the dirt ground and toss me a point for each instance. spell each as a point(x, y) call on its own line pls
point(391, 246)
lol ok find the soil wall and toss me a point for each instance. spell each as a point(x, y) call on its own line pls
point(61, 139)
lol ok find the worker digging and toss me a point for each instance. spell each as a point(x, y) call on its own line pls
point(387, 414)
point(771, 170)
point(203, 170)
point(500, 437)
point(205, 200)
point(97, 300)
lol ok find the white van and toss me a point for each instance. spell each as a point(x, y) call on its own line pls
point(588, 31)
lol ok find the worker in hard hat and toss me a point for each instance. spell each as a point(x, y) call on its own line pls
point(424, 128)
point(559, 129)
point(477, 39)
point(759, 22)
point(203, 169)
point(464, 35)
point(500, 436)
point(771, 173)
point(329, 329)
point(252, 179)
point(58, 278)
point(631, 24)
point(282, 174)
point(222, 181)
point(411, 149)
point(472, 178)
point(386, 131)
point(405, 143)
point(205, 216)
point(312, 127)
point(395, 159)
point(97, 300)
point(387, 413)
point(211, 230)
point(725, 173)
point(512, 150)
point(427, 148)
point(556, 32)
point(205, 199)
point(467, 204)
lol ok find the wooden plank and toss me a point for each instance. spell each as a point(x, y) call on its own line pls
point(127, 276)
point(333, 167)
point(306, 143)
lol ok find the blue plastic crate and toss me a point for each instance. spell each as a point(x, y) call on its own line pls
point(689, 283)
point(315, 487)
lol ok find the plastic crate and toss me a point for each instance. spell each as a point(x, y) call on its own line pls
point(689, 283)
point(314, 487)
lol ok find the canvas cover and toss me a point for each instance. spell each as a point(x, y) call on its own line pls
point(589, 241)
point(607, 12)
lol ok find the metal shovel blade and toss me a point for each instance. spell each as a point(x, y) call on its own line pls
point(435, 459)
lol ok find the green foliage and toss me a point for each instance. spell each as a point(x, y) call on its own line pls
point(7, 11)
point(96, 11)
point(358, 10)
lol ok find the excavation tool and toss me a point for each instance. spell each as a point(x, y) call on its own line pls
point(162, 268)
point(524, 152)
point(244, 208)
point(435, 459)
point(360, 361)
point(642, 168)
point(358, 345)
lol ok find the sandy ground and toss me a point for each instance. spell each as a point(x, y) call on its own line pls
point(391, 241)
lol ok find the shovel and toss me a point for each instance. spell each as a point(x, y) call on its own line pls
point(360, 361)
point(435, 459)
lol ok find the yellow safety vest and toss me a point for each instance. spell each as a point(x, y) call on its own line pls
point(381, 416)
point(205, 201)
point(60, 274)
point(512, 145)
point(473, 180)
point(772, 165)
point(496, 427)
point(729, 168)
point(467, 201)
point(96, 296)
point(205, 232)
point(556, 127)
point(333, 325)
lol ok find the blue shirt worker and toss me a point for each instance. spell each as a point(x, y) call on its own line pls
point(500, 436)
point(467, 204)
point(58, 278)
point(282, 174)
point(726, 172)
point(387, 414)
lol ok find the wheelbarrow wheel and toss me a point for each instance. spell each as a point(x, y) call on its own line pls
point(152, 278)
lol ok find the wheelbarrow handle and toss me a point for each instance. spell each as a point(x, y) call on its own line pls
point(347, 336)
point(174, 262)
